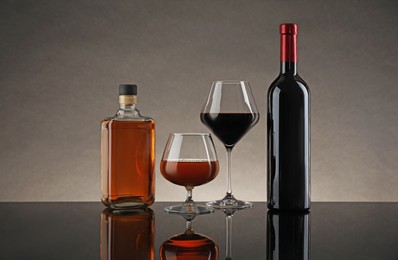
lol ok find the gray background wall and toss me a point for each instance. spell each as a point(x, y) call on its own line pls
point(61, 63)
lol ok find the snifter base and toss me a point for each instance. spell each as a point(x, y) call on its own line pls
point(189, 208)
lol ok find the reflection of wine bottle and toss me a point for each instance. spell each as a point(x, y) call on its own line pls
point(288, 131)
point(288, 235)
point(127, 235)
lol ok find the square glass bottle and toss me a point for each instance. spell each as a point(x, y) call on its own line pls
point(127, 155)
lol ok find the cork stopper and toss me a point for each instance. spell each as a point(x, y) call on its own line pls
point(128, 94)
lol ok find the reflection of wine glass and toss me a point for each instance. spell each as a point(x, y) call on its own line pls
point(288, 235)
point(127, 234)
point(189, 245)
point(189, 160)
point(230, 112)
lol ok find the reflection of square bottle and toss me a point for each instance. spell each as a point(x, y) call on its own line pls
point(127, 234)
point(127, 155)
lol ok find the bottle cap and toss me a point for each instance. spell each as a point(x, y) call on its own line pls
point(288, 28)
point(128, 90)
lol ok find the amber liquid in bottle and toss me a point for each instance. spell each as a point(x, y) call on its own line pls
point(127, 158)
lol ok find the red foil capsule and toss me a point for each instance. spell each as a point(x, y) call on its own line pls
point(288, 33)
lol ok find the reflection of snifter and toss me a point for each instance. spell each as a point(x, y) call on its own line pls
point(288, 235)
point(189, 245)
point(127, 234)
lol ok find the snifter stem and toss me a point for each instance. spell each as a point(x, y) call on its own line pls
point(189, 205)
point(188, 226)
point(189, 195)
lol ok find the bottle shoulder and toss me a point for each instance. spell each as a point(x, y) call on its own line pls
point(128, 122)
point(288, 83)
point(129, 119)
point(302, 83)
point(129, 115)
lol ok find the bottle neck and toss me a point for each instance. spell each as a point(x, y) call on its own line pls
point(289, 54)
point(289, 68)
point(127, 107)
point(127, 110)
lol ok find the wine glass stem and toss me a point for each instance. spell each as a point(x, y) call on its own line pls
point(229, 181)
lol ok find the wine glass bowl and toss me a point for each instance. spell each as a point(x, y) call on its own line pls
point(189, 160)
point(230, 112)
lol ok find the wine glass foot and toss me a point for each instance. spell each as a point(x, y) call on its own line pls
point(229, 202)
point(189, 208)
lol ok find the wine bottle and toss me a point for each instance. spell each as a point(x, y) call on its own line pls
point(127, 155)
point(288, 131)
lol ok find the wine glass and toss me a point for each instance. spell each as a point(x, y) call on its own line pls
point(230, 112)
point(189, 160)
point(189, 245)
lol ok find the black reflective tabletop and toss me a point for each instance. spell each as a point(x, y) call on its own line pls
point(80, 230)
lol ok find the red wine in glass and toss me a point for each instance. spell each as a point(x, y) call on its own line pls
point(229, 127)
